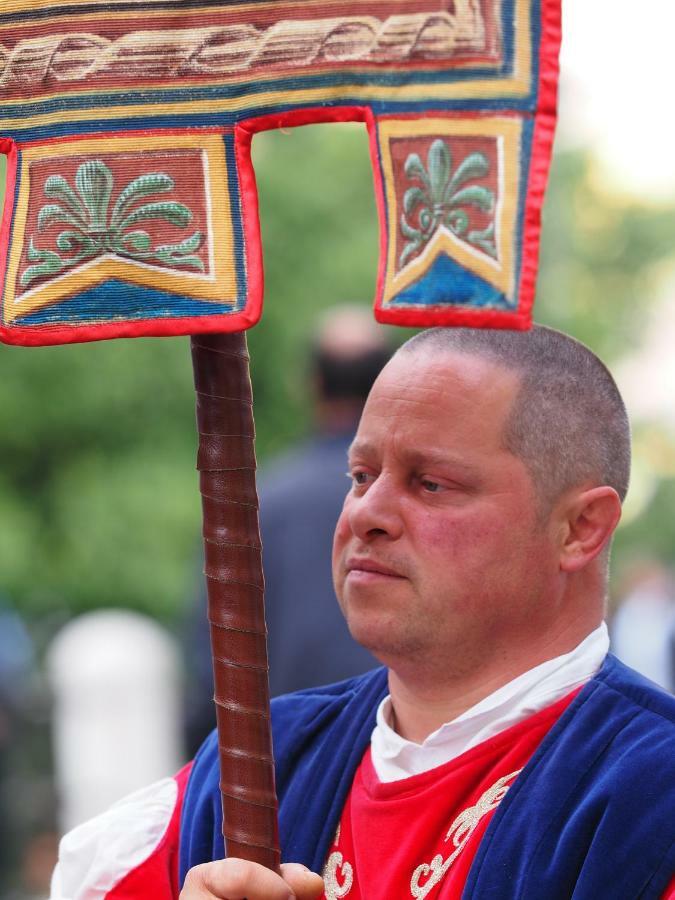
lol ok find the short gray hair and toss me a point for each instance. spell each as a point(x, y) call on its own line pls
point(568, 422)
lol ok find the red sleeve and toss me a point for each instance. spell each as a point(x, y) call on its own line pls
point(669, 893)
point(129, 852)
point(157, 876)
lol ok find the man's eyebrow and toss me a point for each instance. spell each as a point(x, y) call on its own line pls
point(360, 447)
point(422, 457)
point(437, 457)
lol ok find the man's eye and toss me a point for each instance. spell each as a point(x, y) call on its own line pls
point(432, 487)
point(359, 478)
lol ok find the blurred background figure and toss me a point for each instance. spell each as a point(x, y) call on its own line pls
point(301, 495)
point(643, 628)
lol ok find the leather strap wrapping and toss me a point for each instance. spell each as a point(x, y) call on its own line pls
point(235, 588)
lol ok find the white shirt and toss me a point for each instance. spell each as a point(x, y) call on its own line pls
point(394, 757)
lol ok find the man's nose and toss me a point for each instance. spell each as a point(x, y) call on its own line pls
point(376, 512)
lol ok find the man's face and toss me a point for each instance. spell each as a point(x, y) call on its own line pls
point(439, 555)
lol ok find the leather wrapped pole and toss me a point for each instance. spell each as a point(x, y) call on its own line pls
point(235, 589)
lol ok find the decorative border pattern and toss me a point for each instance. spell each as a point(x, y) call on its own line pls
point(215, 282)
point(144, 56)
point(499, 270)
point(242, 96)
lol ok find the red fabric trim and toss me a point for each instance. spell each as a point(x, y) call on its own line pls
point(542, 147)
point(468, 318)
point(518, 319)
point(669, 893)
point(49, 335)
point(9, 148)
point(307, 115)
point(157, 876)
point(248, 193)
point(378, 184)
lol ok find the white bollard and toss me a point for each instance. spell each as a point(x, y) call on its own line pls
point(116, 682)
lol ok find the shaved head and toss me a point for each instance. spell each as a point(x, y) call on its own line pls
point(568, 422)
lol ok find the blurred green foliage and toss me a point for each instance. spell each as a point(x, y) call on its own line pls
point(601, 258)
point(98, 492)
point(603, 261)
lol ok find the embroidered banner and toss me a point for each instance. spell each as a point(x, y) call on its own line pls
point(130, 199)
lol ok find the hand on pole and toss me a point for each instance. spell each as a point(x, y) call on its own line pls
point(237, 879)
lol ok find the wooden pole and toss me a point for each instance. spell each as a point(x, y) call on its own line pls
point(235, 589)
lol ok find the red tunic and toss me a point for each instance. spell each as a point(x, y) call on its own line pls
point(417, 837)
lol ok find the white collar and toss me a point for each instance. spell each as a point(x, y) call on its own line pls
point(395, 757)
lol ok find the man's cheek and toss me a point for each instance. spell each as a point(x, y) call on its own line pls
point(451, 535)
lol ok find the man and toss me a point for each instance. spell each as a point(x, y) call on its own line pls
point(500, 754)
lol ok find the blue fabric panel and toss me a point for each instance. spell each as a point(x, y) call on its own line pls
point(119, 299)
point(446, 281)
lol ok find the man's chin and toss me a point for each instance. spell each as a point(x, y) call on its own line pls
point(383, 637)
point(381, 594)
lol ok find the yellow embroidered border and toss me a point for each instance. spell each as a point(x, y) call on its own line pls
point(219, 285)
point(501, 273)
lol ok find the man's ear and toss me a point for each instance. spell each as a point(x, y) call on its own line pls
point(590, 519)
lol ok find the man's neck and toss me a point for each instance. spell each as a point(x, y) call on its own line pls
point(421, 704)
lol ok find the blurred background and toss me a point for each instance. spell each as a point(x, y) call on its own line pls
point(99, 507)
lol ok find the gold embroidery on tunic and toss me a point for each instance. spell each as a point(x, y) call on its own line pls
point(460, 831)
point(332, 888)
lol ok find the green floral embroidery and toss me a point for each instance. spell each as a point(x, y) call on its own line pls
point(94, 229)
point(441, 198)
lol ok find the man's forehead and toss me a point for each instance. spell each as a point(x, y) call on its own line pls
point(449, 369)
point(425, 403)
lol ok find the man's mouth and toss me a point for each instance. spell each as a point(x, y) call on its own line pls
point(368, 569)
